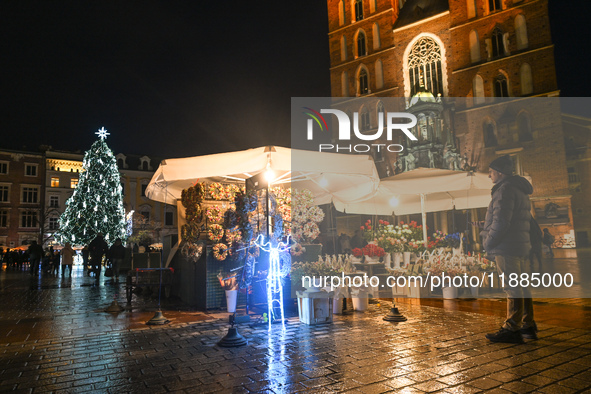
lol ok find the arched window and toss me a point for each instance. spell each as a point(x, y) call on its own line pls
point(489, 133)
point(343, 48)
point(497, 43)
point(379, 74)
point(494, 5)
point(478, 88)
point(363, 82)
point(376, 36)
point(341, 12)
point(344, 84)
point(527, 85)
point(361, 48)
point(474, 47)
point(373, 5)
point(120, 162)
point(358, 10)
point(520, 32)
point(471, 4)
point(501, 86)
point(364, 119)
point(424, 67)
point(380, 110)
point(524, 127)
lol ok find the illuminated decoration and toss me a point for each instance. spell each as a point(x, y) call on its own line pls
point(102, 133)
point(129, 219)
point(97, 205)
point(279, 268)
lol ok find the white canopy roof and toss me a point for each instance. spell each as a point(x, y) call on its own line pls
point(331, 177)
point(442, 190)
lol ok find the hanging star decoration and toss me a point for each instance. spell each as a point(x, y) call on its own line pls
point(102, 133)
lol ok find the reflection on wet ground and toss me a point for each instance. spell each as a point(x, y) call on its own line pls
point(60, 340)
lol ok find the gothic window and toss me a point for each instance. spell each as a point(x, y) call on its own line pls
point(379, 74)
point(365, 123)
point(471, 4)
point(489, 133)
point(376, 36)
point(424, 67)
point(341, 12)
point(373, 5)
point(344, 84)
point(524, 127)
point(358, 10)
point(343, 48)
point(363, 82)
point(478, 88)
point(474, 47)
point(361, 49)
point(527, 86)
point(381, 111)
point(501, 86)
point(497, 42)
point(520, 32)
point(494, 5)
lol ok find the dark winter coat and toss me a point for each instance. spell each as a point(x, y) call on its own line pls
point(506, 227)
point(117, 252)
point(97, 248)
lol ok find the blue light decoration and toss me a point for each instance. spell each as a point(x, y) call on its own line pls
point(279, 268)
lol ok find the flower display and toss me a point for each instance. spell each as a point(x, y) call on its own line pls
point(305, 216)
point(214, 214)
point(220, 251)
point(215, 232)
point(228, 280)
point(399, 238)
point(373, 250)
point(452, 240)
point(217, 191)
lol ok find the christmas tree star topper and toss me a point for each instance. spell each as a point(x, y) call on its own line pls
point(102, 133)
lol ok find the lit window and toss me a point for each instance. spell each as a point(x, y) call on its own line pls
point(3, 218)
point(54, 201)
point(28, 219)
point(424, 67)
point(55, 181)
point(4, 193)
point(73, 183)
point(31, 169)
point(3, 167)
point(30, 195)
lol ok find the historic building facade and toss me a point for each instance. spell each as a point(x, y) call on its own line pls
point(479, 75)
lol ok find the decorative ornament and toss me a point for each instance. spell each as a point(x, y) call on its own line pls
point(220, 251)
point(217, 191)
point(214, 214)
point(215, 232)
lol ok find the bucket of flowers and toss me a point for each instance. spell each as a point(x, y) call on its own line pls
point(372, 253)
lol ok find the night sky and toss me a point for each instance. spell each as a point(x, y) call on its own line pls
point(184, 78)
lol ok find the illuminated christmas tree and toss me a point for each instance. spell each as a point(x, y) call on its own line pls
point(96, 206)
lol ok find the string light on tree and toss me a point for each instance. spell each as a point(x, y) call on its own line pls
point(87, 213)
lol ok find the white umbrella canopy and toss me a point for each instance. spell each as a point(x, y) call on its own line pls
point(331, 177)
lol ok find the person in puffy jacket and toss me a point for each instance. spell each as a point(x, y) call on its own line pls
point(506, 237)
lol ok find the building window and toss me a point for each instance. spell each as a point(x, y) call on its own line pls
point(144, 190)
point(361, 49)
point(28, 219)
point(343, 48)
point(169, 219)
point(474, 47)
point(55, 181)
point(4, 193)
point(478, 87)
point(524, 127)
point(31, 169)
point(53, 224)
point(471, 8)
point(3, 218)
point(490, 138)
point(146, 215)
point(341, 12)
point(498, 44)
point(365, 123)
point(73, 183)
point(30, 195)
point(494, 5)
point(424, 67)
point(54, 201)
point(379, 74)
point(501, 86)
point(3, 168)
point(381, 111)
point(358, 10)
point(344, 84)
point(363, 82)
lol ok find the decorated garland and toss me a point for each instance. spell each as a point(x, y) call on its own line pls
point(217, 191)
point(215, 232)
point(214, 214)
point(220, 251)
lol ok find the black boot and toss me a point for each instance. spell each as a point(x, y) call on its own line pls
point(505, 336)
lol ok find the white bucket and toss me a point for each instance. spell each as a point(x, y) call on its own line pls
point(231, 297)
point(337, 305)
point(360, 304)
point(450, 293)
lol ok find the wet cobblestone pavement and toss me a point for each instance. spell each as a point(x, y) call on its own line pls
point(55, 338)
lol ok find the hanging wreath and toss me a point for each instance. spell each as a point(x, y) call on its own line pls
point(217, 191)
point(192, 195)
point(220, 251)
point(232, 190)
point(233, 235)
point(214, 214)
point(194, 214)
point(215, 232)
point(297, 249)
point(190, 232)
